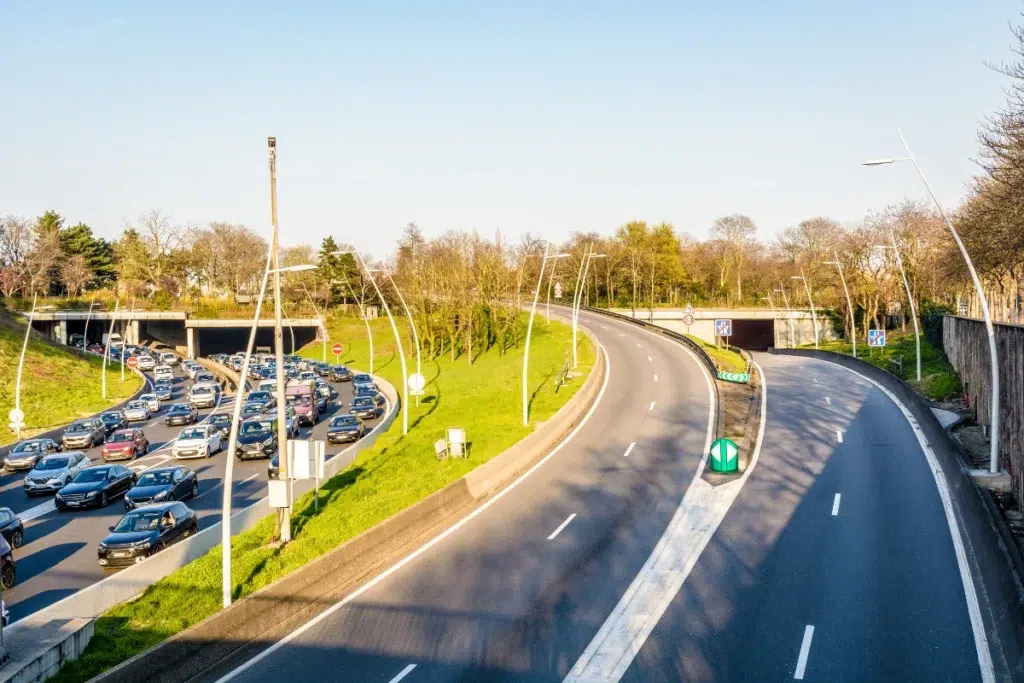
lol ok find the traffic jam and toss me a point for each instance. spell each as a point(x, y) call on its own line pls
point(150, 456)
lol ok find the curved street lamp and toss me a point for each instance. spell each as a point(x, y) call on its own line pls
point(21, 365)
point(578, 302)
point(849, 304)
point(529, 330)
point(910, 297)
point(106, 351)
point(789, 315)
point(814, 315)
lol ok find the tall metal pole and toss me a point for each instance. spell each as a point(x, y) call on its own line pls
point(910, 299)
point(106, 351)
point(362, 314)
point(21, 365)
point(551, 279)
point(789, 315)
point(229, 461)
point(849, 304)
point(85, 335)
point(323, 324)
point(124, 339)
point(412, 324)
point(529, 332)
point(284, 514)
point(577, 297)
point(814, 315)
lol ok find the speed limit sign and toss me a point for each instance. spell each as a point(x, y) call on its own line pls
point(687, 319)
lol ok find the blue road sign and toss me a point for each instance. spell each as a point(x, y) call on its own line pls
point(876, 337)
point(723, 327)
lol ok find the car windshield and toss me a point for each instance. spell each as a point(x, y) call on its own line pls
point(28, 447)
point(250, 428)
point(147, 397)
point(52, 464)
point(121, 436)
point(79, 427)
point(155, 478)
point(136, 405)
point(298, 400)
point(190, 434)
point(344, 421)
point(259, 396)
point(201, 390)
point(361, 401)
point(220, 419)
point(340, 368)
point(138, 521)
point(110, 417)
point(90, 476)
point(180, 408)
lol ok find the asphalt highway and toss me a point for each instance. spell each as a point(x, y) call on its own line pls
point(59, 554)
point(519, 589)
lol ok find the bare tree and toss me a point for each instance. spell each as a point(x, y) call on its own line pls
point(76, 274)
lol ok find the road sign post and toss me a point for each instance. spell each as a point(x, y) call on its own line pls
point(416, 384)
point(132, 362)
point(724, 456)
point(688, 320)
point(876, 337)
point(723, 328)
point(17, 421)
point(338, 349)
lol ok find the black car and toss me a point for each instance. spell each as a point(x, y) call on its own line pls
point(264, 398)
point(222, 421)
point(366, 408)
point(362, 378)
point(162, 485)
point(11, 528)
point(252, 409)
point(363, 390)
point(146, 531)
point(322, 369)
point(339, 373)
point(257, 438)
point(181, 414)
point(113, 420)
point(95, 486)
point(343, 428)
point(7, 570)
point(26, 454)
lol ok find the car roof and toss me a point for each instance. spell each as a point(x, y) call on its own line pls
point(179, 406)
point(127, 430)
point(98, 467)
point(169, 468)
point(156, 507)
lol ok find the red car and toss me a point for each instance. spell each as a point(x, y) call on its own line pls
point(125, 444)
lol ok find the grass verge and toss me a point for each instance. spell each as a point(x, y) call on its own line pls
point(726, 360)
point(393, 474)
point(57, 385)
point(938, 379)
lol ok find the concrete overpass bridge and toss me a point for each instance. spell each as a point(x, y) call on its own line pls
point(189, 336)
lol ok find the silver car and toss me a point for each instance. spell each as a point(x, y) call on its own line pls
point(152, 401)
point(85, 433)
point(137, 411)
point(54, 472)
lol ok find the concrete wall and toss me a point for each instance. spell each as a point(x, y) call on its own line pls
point(791, 330)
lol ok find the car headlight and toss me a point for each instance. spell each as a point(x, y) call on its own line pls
point(102, 547)
point(142, 545)
point(161, 496)
point(268, 442)
point(58, 497)
point(55, 480)
point(92, 494)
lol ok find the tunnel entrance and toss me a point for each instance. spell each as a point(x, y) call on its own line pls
point(211, 340)
point(753, 335)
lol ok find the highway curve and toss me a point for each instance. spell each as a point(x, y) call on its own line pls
point(59, 555)
point(518, 590)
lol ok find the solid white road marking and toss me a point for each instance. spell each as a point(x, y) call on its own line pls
point(655, 379)
point(839, 435)
point(622, 334)
point(652, 406)
point(403, 673)
point(805, 651)
point(639, 610)
point(562, 526)
point(452, 529)
point(639, 345)
point(835, 505)
point(629, 450)
point(828, 400)
point(649, 359)
point(815, 379)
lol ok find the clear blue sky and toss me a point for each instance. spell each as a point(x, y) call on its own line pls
point(520, 116)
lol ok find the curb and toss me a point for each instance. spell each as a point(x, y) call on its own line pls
point(993, 569)
point(314, 587)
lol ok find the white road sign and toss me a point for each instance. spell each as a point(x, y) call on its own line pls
point(416, 382)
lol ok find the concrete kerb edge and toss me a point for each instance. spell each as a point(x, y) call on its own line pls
point(997, 580)
point(428, 513)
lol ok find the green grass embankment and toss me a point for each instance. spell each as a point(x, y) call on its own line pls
point(725, 359)
point(938, 379)
point(393, 474)
point(57, 385)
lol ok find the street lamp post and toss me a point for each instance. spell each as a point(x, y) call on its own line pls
point(285, 515)
point(576, 312)
point(229, 461)
point(551, 279)
point(412, 324)
point(21, 365)
point(323, 325)
point(789, 315)
point(362, 314)
point(814, 315)
point(124, 339)
point(849, 304)
point(394, 329)
point(106, 351)
point(85, 334)
point(910, 298)
point(529, 332)
point(993, 464)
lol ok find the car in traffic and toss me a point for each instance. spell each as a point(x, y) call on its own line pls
point(362, 378)
point(168, 358)
point(199, 441)
point(12, 528)
point(251, 409)
point(340, 373)
point(146, 531)
point(53, 472)
point(8, 573)
point(161, 485)
point(95, 486)
point(137, 411)
point(307, 375)
point(322, 369)
point(345, 428)
point(206, 376)
point(202, 395)
point(264, 398)
point(163, 372)
point(190, 367)
point(222, 421)
point(163, 392)
point(84, 433)
point(366, 408)
point(257, 438)
point(151, 401)
point(371, 391)
point(27, 453)
point(145, 362)
point(114, 420)
point(125, 444)
point(181, 414)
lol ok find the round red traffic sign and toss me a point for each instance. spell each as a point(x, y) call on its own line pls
point(132, 361)
point(687, 319)
point(337, 348)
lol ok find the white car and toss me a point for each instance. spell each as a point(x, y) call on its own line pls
point(191, 368)
point(168, 358)
point(146, 362)
point(198, 441)
point(163, 372)
point(151, 401)
point(137, 411)
point(203, 395)
point(307, 375)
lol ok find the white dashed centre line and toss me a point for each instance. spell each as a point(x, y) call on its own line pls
point(403, 673)
point(828, 400)
point(835, 505)
point(639, 345)
point(629, 450)
point(839, 435)
point(561, 526)
point(652, 406)
point(649, 359)
point(805, 651)
point(655, 379)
